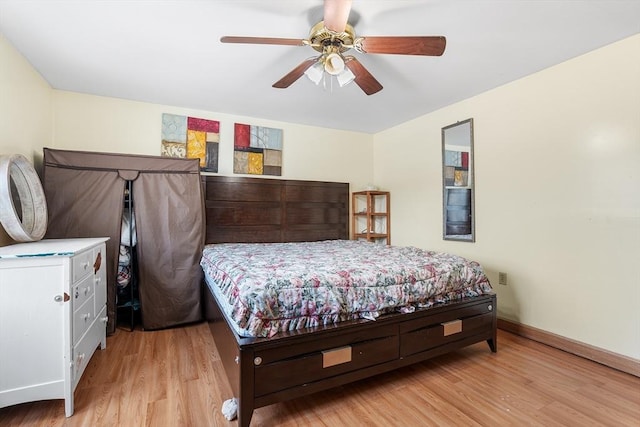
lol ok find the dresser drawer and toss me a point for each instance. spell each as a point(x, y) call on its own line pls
point(84, 349)
point(82, 264)
point(424, 334)
point(82, 291)
point(83, 318)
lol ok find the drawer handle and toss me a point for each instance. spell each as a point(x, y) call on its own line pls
point(60, 298)
point(336, 356)
point(96, 265)
point(86, 316)
point(104, 319)
point(490, 307)
point(79, 361)
point(452, 327)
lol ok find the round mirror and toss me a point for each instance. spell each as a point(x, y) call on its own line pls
point(23, 208)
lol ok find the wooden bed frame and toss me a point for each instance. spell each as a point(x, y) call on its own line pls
point(262, 371)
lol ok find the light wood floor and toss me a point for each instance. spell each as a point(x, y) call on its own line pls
point(174, 378)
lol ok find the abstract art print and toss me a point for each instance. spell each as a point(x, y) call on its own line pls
point(257, 150)
point(191, 138)
point(456, 168)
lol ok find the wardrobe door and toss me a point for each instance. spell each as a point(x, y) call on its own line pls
point(170, 230)
point(87, 203)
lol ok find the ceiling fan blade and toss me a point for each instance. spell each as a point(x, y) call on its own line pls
point(294, 74)
point(336, 14)
point(262, 40)
point(364, 78)
point(405, 45)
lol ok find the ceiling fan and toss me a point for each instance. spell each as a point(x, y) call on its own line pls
point(332, 37)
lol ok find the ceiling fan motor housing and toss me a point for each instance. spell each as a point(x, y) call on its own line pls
point(323, 39)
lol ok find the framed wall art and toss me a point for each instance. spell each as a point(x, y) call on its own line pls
point(257, 150)
point(191, 138)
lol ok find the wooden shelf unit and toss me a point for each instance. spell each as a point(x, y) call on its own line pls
point(371, 216)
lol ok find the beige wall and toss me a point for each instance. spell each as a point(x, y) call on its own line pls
point(25, 108)
point(94, 123)
point(557, 194)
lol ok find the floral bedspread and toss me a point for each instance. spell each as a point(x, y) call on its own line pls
point(273, 287)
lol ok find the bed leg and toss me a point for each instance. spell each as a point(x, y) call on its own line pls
point(245, 412)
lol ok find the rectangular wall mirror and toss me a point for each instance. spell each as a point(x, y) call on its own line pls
point(457, 182)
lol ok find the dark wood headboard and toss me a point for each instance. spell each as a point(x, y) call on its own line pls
point(243, 210)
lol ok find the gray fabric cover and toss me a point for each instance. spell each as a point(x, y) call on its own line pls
point(84, 192)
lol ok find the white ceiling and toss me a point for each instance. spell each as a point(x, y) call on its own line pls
point(168, 51)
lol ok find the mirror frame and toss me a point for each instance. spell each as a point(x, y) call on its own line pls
point(462, 202)
point(17, 175)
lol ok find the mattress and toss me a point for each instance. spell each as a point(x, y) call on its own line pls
point(266, 288)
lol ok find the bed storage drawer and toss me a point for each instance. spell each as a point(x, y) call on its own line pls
point(427, 333)
point(346, 354)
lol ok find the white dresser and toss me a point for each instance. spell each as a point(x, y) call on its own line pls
point(52, 317)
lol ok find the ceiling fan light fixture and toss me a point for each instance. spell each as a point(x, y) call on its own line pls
point(334, 64)
point(315, 72)
point(345, 77)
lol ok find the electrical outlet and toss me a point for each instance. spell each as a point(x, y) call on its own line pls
point(502, 278)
